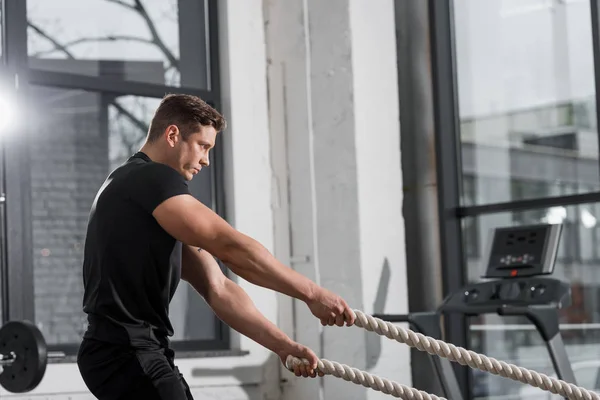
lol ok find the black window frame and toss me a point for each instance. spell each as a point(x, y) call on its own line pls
point(16, 258)
point(449, 170)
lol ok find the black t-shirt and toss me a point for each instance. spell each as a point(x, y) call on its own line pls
point(131, 266)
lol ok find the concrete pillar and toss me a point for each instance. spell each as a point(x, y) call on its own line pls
point(420, 206)
point(288, 61)
point(336, 179)
point(334, 98)
point(379, 176)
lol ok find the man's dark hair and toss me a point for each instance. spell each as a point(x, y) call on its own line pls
point(187, 112)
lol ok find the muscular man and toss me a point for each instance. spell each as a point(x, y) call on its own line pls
point(145, 233)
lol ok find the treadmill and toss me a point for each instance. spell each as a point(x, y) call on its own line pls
point(516, 283)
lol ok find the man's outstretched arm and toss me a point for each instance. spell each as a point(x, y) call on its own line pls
point(191, 222)
point(235, 308)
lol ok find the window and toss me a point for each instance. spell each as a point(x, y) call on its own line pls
point(91, 92)
point(514, 339)
point(3, 123)
point(81, 136)
point(154, 41)
point(518, 137)
point(526, 97)
point(1, 32)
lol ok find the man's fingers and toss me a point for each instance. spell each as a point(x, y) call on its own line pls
point(339, 320)
point(307, 370)
point(314, 362)
point(349, 316)
point(311, 357)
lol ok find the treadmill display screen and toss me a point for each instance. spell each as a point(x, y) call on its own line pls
point(523, 251)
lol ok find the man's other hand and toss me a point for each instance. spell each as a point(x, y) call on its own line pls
point(307, 369)
point(330, 308)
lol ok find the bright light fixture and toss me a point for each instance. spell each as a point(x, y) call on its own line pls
point(555, 215)
point(587, 219)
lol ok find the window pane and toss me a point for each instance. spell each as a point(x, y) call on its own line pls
point(1, 32)
point(142, 44)
point(526, 98)
point(81, 136)
point(514, 339)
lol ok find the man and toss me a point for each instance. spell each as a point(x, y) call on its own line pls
point(145, 233)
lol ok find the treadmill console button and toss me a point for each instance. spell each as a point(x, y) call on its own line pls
point(471, 295)
point(538, 290)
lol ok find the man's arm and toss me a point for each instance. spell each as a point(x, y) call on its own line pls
point(234, 307)
point(188, 220)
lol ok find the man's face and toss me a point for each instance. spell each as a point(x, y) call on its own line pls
point(193, 153)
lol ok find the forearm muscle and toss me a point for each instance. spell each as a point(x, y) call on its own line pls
point(235, 308)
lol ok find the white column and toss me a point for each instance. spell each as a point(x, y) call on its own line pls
point(292, 145)
point(379, 176)
point(334, 110)
point(336, 180)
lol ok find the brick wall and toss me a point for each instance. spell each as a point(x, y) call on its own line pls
point(69, 162)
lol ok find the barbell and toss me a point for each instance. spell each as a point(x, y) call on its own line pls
point(23, 356)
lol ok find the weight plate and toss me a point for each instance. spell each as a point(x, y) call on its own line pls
point(27, 342)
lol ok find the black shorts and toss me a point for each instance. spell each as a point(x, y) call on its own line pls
point(115, 372)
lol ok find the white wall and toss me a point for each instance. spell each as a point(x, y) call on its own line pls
point(313, 173)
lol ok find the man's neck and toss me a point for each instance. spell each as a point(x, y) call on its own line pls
point(152, 152)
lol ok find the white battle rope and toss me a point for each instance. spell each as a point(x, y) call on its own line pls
point(445, 350)
point(364, 378)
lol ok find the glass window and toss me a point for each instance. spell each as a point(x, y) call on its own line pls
point(144, 43)
point(526, 94)
point(514, 339)
point(79, 137)
point(1, 32)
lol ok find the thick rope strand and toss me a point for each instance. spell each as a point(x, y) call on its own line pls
point(441, 349)
point(472, 359)
point(365, 379)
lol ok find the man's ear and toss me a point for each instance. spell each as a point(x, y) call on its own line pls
point(172, 135)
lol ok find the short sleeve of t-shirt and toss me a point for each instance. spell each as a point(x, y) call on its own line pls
point(153, 183)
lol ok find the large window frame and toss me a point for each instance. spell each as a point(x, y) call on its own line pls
point(16, 259)
point(449, 168)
